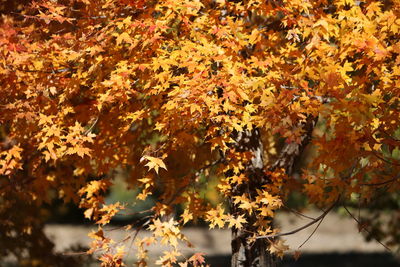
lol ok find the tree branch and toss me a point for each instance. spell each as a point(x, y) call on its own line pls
point(363, 228)
point(385, 160)
point(319, 218)
point(313, 232)
point(382, 183)
point(298, 213)
point(291, 152)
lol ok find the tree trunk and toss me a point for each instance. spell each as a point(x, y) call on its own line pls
point(245, 254)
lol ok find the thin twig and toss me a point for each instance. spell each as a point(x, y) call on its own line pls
point(304, 226)
point(298, 213)
point(382, 183)
point(91, 127)
point(363, 228)
point(138, 229)
point(385, 160)
point(391, 137)
point(313, 232)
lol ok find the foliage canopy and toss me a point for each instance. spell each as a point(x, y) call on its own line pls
point(173, 90)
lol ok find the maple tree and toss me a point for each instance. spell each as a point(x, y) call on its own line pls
point(176, 90)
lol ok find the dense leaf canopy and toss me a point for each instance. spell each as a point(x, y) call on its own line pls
point(163, 89)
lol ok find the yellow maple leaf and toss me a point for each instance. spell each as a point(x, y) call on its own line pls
point(124, 37)
point(216, 217)
point(154, 163)
point(278, 247)
point(186, 216)
point(236, 222)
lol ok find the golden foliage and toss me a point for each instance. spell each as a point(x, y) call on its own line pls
point(89, 86)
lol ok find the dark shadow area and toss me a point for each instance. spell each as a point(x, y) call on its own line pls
point(59, 212)
point(324, 260)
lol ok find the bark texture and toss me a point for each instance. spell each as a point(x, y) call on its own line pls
point(245, 254)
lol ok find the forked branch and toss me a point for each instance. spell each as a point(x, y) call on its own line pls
point(314, 221)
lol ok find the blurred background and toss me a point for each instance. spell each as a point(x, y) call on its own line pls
point(338, 241)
